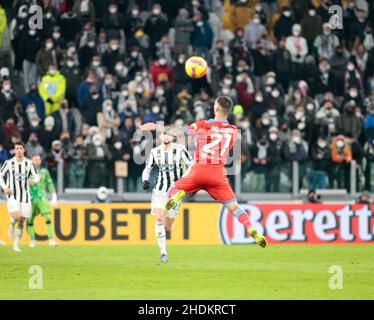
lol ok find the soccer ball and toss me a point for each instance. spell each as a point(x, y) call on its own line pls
point(196, 67)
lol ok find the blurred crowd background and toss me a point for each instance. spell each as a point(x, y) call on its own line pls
point(76, 90)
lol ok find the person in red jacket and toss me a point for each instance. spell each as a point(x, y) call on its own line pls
point(160, 70)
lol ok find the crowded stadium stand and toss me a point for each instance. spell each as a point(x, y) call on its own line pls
point(76, 90)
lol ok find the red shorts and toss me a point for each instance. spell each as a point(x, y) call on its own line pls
point(212, 179)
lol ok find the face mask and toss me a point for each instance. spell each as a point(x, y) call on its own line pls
point(97, 142)
point(32, 32)
point(299, 115)
point(350, 67)
point(91, 44)
point(275, 93)
point(119, 67)
point(139, 90)
point(70, 64)
point(227, 82)
point(162, 62)
point(49, 45)
point(273, 136)
point(6, 87)
point(125, 93)
point(181, 60)
point(272, 113)
point(113, 10)
point(108, 82)
point(156, 12)
point(340, 144)
point(353, 93)
point(138, 78)
point(296, 139)
point(312, 13)
point(259, 98)
point(296, 33)
point(225, 91)
point(156, 109)
point(114, 47)
point(56, 35)
point(322, 144)
point(96, 63)
point(310, 107)
point(287, 14)
point(52, 72)
point(256, 21)
point(199, 23)
point(265, 122)
point(245, 125)
point(108, 108)
point(34, 123)
point(135, 13)
point(95, 96)
point(118, 145)
point(160, 92)
point(228, 64)
point(48, 15)
point(134, 54)
point(270, 81)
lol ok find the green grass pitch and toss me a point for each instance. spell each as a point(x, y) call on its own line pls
point(193, 272)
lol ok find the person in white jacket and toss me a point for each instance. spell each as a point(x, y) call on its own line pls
point(298, 49)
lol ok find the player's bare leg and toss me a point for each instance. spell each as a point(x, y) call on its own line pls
point(161, 233)
point(243, 218)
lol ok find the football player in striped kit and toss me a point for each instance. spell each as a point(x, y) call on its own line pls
point(16, 175)
point(173, 161)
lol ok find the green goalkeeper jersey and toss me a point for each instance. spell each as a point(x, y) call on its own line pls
point(39, 191)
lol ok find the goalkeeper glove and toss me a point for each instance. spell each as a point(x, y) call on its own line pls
point(146, 185)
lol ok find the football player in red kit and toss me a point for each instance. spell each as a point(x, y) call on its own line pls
point(214, 140)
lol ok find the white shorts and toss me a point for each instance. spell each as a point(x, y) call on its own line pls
point(23, 208)
point(159, 200)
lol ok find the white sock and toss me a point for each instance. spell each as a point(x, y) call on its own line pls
point(12, 222)
point(161, 236)
point(19, 233)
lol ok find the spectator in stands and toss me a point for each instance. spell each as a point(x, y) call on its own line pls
point(283, 26)
point(98, 154)
point(348, 122)
point(321, 159)
point(85, 10)
point(311, 24)
point(341, 156)
point(298, 49)
point(77, 163)
point(8, 100)
point(33, 146)
point(202, 36)
point(254, 31)
point(156, 26)
point(52, 89)
point(108, 121)
point(183, 30)
point(297, 150)
point(274, 161)
point(326, 43)
point(160, 70)
point(46, 56)
point(260, 158)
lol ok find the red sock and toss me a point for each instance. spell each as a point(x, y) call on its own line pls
point(243, 218)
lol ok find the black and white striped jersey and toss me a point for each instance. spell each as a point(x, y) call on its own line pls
point(172, 164)
point(15, 175)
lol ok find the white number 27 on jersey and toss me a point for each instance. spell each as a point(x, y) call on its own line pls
point(217, 139)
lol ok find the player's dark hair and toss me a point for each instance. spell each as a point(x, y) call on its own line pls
point(19, 144)
point(225, 103)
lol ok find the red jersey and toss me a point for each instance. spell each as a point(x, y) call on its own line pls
point(214, 140)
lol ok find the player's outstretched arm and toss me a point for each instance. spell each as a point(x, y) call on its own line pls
point(3, 171)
